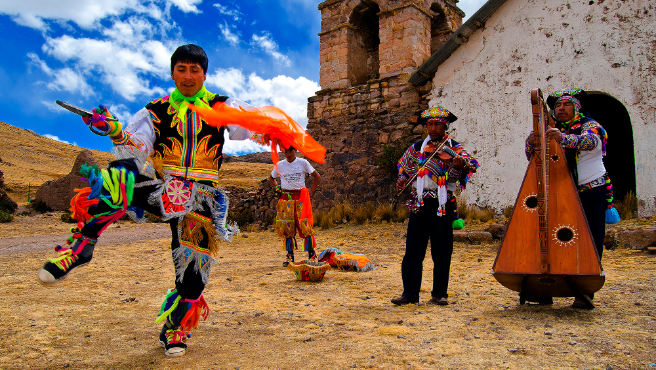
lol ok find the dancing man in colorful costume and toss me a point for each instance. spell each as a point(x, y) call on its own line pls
point(433, 208)
point(294, 207)
point(186, 154)
point(584, 142)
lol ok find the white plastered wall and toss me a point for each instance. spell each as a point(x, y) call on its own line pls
point(527, 44)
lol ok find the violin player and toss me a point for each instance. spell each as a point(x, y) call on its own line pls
point(434, 175)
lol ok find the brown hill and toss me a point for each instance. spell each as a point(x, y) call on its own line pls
point(29, 159)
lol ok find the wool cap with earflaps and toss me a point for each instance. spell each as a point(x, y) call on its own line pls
point(579, 94)
point(436, 114)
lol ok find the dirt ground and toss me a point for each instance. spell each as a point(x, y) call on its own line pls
point(102, 315)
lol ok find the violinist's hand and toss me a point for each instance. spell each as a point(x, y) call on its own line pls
point(400, 184)
point(554, 133)
point(459, 163)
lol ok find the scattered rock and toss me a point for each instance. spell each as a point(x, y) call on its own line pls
point(474, 237)
point(572, 343)
point(513, 350)
point(57, 194)
point(308, 339)
point(497, 231)
point(548, 333)
point(400, 336)
point(636, 238)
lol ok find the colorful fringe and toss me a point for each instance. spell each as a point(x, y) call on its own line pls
point(68, 256)
point(309, 242)
point(185, 313)
point(290, 245)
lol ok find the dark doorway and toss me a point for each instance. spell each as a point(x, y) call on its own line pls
point(440, 28)
point(363, 43)
point(619, 160)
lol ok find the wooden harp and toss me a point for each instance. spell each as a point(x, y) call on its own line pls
point(548, 250)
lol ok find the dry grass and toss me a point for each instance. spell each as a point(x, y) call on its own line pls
point(472, 213)
point(344, 212)
point(32, 159)
point(102, 316)
point(627, 207)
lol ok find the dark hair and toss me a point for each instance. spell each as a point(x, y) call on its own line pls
point(290, 148)
point(189, 54)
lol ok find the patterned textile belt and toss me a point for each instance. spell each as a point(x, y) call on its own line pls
point(593, 184)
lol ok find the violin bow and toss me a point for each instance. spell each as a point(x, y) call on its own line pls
point(439, 146)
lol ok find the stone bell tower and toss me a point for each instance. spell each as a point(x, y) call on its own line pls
point(368, 50)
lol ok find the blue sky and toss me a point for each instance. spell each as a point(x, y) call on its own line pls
point(117, 53)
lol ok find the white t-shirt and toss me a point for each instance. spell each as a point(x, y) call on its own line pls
point(292, 175)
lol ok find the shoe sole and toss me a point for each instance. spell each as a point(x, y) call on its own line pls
point(173, 354)
point(43, 274)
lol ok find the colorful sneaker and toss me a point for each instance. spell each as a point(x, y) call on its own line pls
point(290, 258)
point(57, 268)
point(173, 341)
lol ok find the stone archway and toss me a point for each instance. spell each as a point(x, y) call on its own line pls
point(363, 43)
point(619, 160)
point(440, 28)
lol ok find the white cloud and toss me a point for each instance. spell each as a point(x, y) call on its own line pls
point(52, 106)
point(63, 79)
point(284, 92)
point(85, 13)
point(232, 38)
point(269, 46)
point(239, 147)
point(120, 112)
point(119, 66)
point(56, 138)
point(224, 10)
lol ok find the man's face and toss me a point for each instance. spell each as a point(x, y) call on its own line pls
point(188, 78)
point(436, 130)
point(290, 154)
point(564, 111)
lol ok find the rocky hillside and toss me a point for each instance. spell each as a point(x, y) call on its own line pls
point(28, 159)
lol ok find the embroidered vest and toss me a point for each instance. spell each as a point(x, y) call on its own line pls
point(191, 149)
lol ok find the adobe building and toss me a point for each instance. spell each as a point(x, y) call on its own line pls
point(366, 105)
point(486, 70)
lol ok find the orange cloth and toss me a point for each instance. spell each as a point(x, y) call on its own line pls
point(360, 258)
point(307, 206)
point(268, 120)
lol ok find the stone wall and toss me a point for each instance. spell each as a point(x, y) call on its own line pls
point(355, 125)
point(404, 34)
point(605, 46)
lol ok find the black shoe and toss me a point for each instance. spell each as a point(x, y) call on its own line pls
point(400, 301)
point(57, 268)
point(173, 341)
point(290, 258)
point(440, 301)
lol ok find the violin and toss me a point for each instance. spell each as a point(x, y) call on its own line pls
point(447, 154)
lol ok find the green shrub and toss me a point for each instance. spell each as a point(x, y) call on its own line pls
point(390, 156)
point(41, 207)
point(66, 217)
point(242, 218)
point(8, 207)
point(6, 217)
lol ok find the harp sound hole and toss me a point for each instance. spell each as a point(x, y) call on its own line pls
point(565, 235)
point(555, 157)
point(531, 202)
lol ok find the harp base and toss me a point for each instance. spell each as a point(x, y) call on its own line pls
point(549, 285)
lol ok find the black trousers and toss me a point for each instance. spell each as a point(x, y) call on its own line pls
point(422, 226)
point(192, 285)
point(594, 206)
